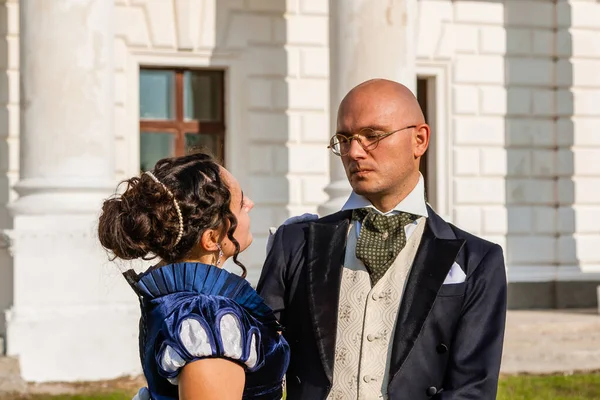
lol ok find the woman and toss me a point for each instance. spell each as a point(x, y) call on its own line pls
point(204, 332)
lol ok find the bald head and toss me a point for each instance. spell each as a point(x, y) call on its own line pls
point(385, 169)
point(388, 96)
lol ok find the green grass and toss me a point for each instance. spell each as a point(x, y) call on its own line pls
point(555, 387)
point(524, 387)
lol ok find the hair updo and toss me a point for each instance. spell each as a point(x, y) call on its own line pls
point(143, 221)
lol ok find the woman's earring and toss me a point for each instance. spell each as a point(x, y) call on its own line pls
point(220, 254)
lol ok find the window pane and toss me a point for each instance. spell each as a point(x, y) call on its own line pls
point(155, 146)
point(156, 94)
point(203, 92)
point(210, 143)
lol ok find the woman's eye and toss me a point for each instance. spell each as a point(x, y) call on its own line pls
point(245, 206)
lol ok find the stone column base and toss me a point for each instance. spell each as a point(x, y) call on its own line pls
point(81, 343)
point(10, 376)
point(73, 316)
point(553, 295)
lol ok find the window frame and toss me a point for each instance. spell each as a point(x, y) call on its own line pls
point(423, 93)
point(441, 151)
point(179, 126)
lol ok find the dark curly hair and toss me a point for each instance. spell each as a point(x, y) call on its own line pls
point(143, 222)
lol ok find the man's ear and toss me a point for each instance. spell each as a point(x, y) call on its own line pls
point(421, 139)
point(209, 240)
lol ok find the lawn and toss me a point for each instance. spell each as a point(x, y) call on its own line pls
point(555, 387)
point(524, 387)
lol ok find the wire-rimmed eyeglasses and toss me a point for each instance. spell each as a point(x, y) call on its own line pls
point(367, 138)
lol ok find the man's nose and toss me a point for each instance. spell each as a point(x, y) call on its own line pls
point(356, 150)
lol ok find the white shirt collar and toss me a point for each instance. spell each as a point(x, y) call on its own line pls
point(414, 203)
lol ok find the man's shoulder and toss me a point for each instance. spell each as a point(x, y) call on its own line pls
point(335, 218)
point(480, 253)
point(296, 233)
point(475, 249)
point(472, 240)
point(331, 219)
point(446, 230)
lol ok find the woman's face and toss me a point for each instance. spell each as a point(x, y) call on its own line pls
point(240, 206)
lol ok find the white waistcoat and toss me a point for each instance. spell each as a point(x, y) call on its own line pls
point(366, 322)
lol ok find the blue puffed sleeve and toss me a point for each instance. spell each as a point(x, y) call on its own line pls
point(201, 326)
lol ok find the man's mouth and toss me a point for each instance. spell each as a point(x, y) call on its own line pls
point(360, 171)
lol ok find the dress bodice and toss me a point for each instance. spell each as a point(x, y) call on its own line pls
point(192, 311)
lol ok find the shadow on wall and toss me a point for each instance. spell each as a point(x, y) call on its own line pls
point(539, 136)
point(257, 118)
point(6, 160)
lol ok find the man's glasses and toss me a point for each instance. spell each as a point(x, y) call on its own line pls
point(367, 138)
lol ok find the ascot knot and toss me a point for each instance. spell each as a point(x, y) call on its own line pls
point(380, 240)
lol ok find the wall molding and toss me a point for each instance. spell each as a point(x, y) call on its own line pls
point(552, 273)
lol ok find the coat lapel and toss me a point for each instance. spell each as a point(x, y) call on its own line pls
point(326, 247)
point(435, 256)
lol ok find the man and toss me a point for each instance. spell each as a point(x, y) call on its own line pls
point(384, 299)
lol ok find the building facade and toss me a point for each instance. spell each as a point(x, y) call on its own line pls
point(94, 91)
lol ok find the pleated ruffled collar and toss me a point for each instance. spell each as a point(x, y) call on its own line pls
point(203, 279)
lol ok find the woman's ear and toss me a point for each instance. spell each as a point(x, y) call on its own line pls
point(209, 240)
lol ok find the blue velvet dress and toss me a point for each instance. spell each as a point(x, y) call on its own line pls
point(193, 311)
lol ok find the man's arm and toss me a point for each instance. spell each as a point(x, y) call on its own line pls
point(476, 351)
point(279, 276)
point(271, 285)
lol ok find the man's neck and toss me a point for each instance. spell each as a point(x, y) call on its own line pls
point(385, 202)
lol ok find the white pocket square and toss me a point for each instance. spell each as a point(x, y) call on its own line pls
point(456, 275)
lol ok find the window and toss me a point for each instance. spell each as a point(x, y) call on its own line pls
point(179, 110)
point(423, 92)
point(432, 91)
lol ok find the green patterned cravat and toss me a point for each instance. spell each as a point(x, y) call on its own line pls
point(380, 240)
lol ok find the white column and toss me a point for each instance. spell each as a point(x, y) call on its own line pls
point(67, 105)
point(73, 316)
point(368, 39)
